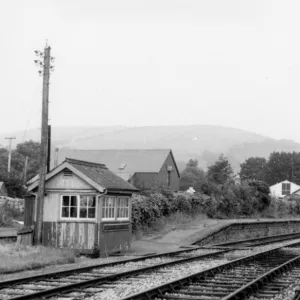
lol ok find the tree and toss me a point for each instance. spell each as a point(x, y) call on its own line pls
point(254, 168)
point(191, 176)
point(32, 150)
point(261, 193)
point(193, 163)
point(221, 171)
point(283, 166)
point(3, 159)
point(14, 182)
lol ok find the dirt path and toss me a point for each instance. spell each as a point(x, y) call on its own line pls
point(176, 238)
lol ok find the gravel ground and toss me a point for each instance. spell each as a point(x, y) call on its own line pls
point(135, 284)
point(98, 272)
point(124, 288)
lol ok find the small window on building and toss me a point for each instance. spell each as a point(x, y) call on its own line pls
point(123, 208)
point(87, 207)
point(108, 208)
point(286, 189)
point(78, 207)
point(69, 207)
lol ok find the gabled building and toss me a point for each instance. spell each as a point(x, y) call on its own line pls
point(145, 169)
point(293, 196)
point(86, 207)
point(283, 189)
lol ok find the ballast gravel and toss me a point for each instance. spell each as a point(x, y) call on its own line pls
point(124, 288)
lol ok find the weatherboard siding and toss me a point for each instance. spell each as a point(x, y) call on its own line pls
point(114, 236)
point(74, 235)
point(51, 207)
point(61, 182)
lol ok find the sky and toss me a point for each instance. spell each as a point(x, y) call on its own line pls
point(233, 63)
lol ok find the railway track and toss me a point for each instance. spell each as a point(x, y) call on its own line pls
point(256, 241)
point(80, 283)
point(238, 279)
point(286, 285)
point(67, 281)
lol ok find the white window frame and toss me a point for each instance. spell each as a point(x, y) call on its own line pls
point(78, 208)
point(128, 213)
point(116, 200)
point(103, 208)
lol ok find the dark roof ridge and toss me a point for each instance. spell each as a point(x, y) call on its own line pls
point(85, 163)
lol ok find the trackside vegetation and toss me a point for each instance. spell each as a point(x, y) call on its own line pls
point(14, 257)
point(219, 194)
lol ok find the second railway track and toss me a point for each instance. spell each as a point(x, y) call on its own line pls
point(235, 280)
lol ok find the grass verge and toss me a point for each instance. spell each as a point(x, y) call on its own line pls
point(176, 221)
point(14, 258)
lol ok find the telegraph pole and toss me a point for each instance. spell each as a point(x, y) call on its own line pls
point(45, 71)
point(10, 138)
point(292, 167)
point(25, 170)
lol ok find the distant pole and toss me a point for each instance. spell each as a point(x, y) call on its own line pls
point(292, 167)
point(56, 157)
point(10, 138)
point(45, 65)
point(25, 170)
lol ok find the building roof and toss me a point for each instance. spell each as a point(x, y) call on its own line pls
point(97, 175)
point(122, 162)
point(297, 192)
point(284, 181)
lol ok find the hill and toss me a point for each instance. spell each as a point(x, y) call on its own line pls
point(203, 142)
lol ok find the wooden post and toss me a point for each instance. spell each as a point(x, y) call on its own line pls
point(44, 148)
point(49, 148)
point(25, 170)
point(9, 152)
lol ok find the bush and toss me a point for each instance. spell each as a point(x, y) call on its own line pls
point(183, 203)
point(5, 216)
point(230, 200)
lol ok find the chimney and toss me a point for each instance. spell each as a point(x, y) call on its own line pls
point(56, 157)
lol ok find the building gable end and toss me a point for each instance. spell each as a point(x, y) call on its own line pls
point(174, 162)
point(68, 166)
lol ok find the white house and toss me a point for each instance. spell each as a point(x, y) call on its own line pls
point(190, 190)
point(283, 188)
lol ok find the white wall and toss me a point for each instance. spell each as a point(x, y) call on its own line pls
point(276, 189)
